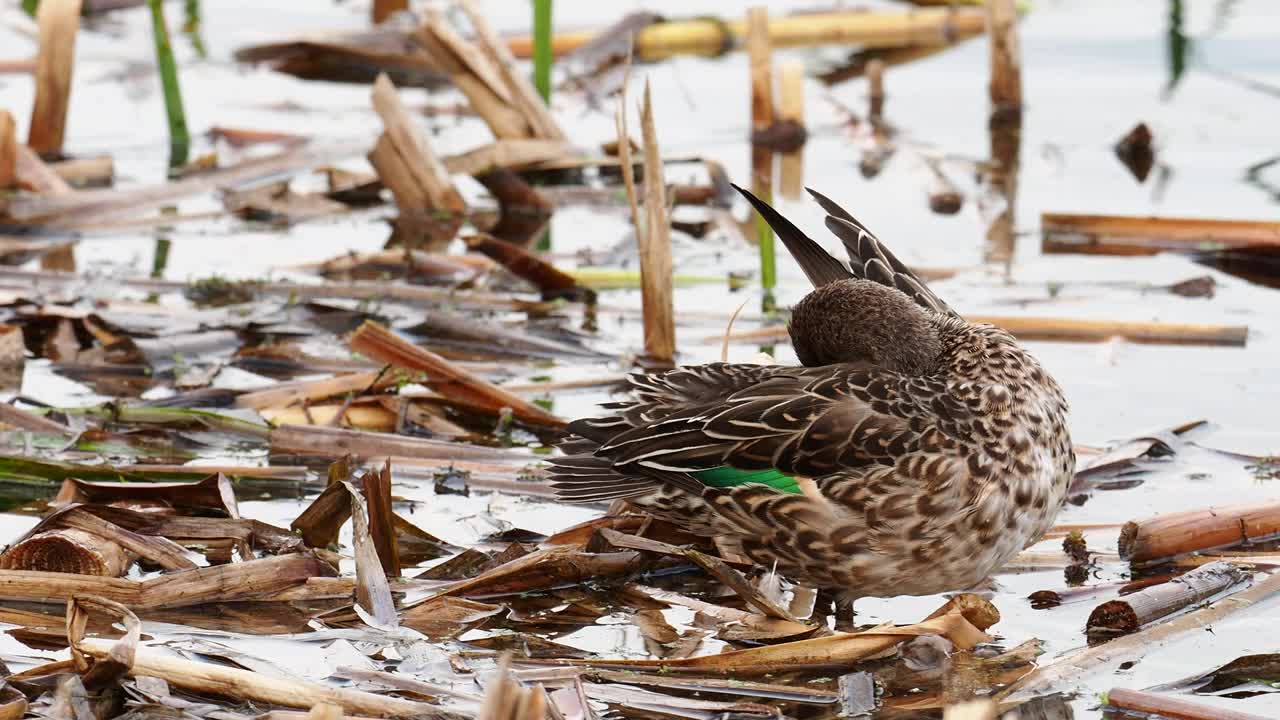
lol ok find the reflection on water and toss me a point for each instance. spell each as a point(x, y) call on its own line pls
point(1178, 46)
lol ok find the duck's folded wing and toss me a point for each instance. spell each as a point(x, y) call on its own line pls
point(655, 397)
point(809, 424)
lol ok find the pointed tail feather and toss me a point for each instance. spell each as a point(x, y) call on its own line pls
point(818, 265)
point(869, 259)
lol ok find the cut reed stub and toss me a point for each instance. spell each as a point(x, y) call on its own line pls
point(1167, 536)
point(68, 550)
point(1127, 614)
point(1150, 704)
point(8, 151)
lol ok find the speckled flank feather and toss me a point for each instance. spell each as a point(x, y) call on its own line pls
point(930, 469)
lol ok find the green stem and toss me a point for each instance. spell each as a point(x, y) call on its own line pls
point(179, 137)
point(30, 7)
point(542, 61)
point(542, 48)
point(768, 263)
point(160, 260)
point(191, 27)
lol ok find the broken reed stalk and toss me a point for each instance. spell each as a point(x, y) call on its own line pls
point(875, 90)
point(1067, 330)
point(285, 394)
point(655, 246)
point(1164, 706)
point(59, 22)
point(179, 136)
point(68, 550)
point(932, 27)
point(383, 9)
point(376, 342)
point(376, 486)
point(248, 580)
point(96, 171)
point(1068, 669)
point(430, 206)
point(475, 74)
point(8, 151)
point(542, 57)
point(1130, 235)
point(1004, 124)
point(1128, 614)
point(760, 53)
point(1167, 536)
point(791, 111)
point(155, 547)
point(530, 100)
point(550, 280)
point(223, 681)
point(504, 697)
point(1006, 59)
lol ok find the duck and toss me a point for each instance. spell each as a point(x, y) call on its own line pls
point(909, 453)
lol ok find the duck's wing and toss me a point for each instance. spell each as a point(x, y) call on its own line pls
point(811, 423)
point(871, 260)
point(652, 397)
point(818, 264)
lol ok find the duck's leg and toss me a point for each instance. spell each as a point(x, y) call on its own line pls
point(841, 608)
point(844, 614)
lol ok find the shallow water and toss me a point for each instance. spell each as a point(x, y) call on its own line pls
point(1092, 69)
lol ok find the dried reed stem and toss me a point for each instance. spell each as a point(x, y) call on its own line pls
point(1129, 613)
point(791, 110)
point(8, 151)
point(927, 27)
point(378, 343)
point(655, 247)
point(224, 681)
point(1129, 235)
point(1172, 534)
point(59, 22)
point(1163, 706)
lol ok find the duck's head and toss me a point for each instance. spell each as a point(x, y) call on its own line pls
point(859, 320)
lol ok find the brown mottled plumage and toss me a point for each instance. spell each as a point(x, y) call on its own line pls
point(929, 450)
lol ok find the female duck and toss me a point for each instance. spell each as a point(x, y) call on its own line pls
point(911, 453)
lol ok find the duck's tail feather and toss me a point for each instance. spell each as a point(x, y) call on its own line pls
point(818, 265)
point(587, 478)
point(869, 259)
